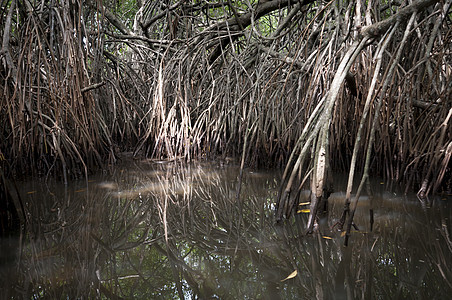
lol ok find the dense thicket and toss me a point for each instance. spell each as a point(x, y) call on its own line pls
point(313, 85)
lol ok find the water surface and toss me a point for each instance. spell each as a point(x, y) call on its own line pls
point(157, 230)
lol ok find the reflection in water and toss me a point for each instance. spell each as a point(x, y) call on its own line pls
point(150, 230)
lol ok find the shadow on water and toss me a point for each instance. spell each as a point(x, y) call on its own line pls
point(149, 230)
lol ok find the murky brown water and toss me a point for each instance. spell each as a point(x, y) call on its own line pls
point(152, 230)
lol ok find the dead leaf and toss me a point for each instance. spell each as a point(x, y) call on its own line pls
point(292, 275)
point(305, 211)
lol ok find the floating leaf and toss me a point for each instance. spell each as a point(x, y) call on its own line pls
point(79, 191)
point(304, 203)
point(32, 192)
point(343, 233)
point(382, 183)
point(327, 237)
point(292, 275)
point(305, 211)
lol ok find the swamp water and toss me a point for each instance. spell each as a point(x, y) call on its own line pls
point(147, 230)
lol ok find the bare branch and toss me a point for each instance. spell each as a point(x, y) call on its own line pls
point(6, 38)
point(380, 28)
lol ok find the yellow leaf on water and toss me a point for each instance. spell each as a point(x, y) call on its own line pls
point(327, 237)
point(305, 211)
point(292, 275)
point(32, 192)
point(304, 203)
point(79, 191)
point(343, 233)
